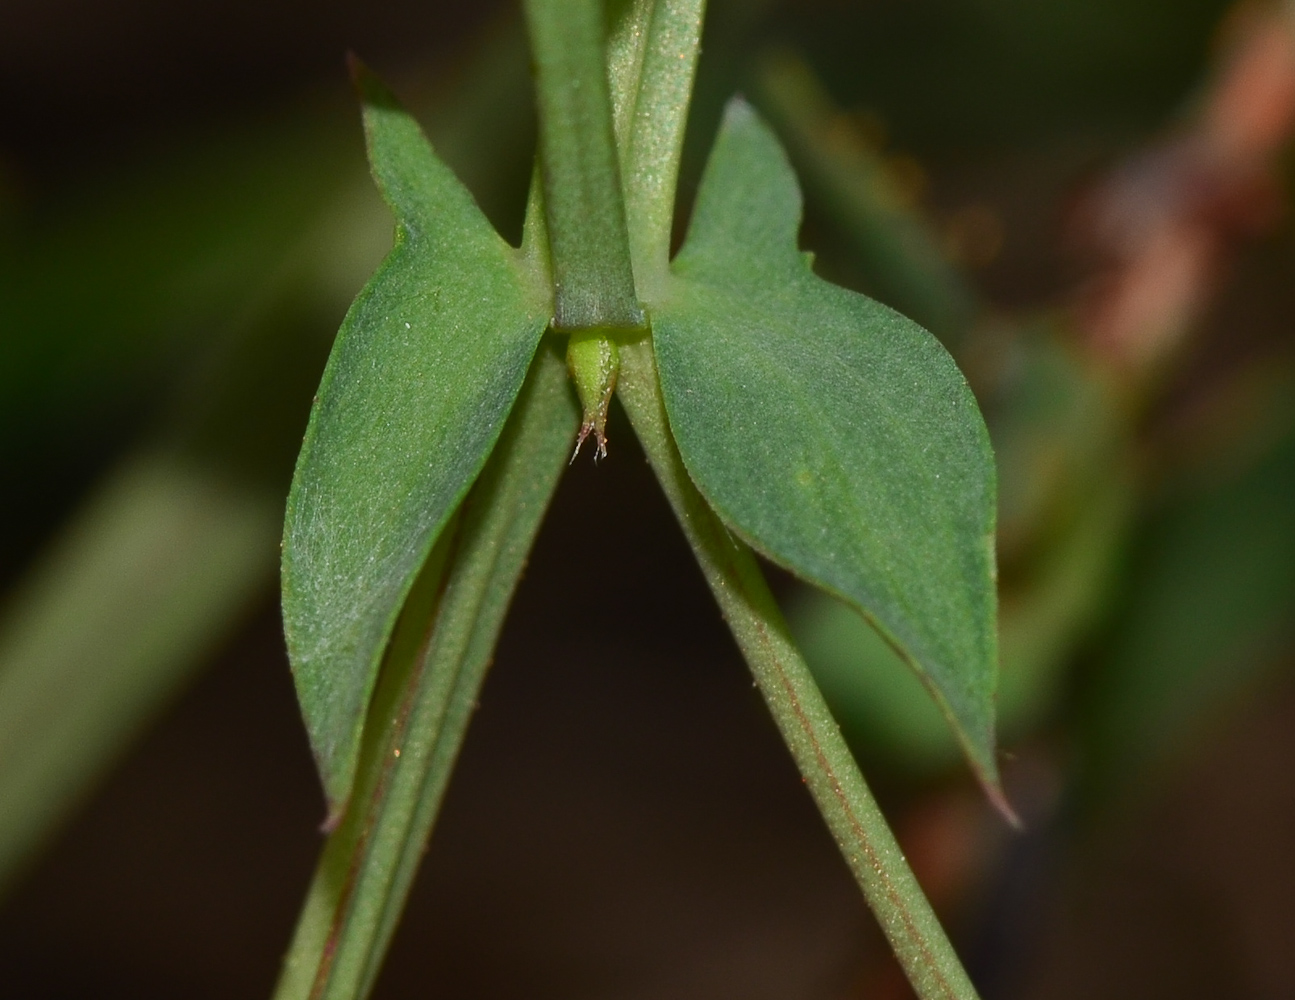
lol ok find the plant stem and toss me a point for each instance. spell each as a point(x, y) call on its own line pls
point(798, 708)
point(425, 696)
point(651, 63)
point(593, 279)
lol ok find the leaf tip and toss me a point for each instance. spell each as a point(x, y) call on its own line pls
point(977, 741)
point(980, 754)
point(738, 110)
point(370, 89)
point(337, 770)
point(336, 810)
point(992, 785)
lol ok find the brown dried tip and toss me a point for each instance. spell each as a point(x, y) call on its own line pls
point(596, 427)
point(594, 363)
point(334, 818)
point(998, 799)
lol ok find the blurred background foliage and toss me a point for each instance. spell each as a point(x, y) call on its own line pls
point(1086, 201)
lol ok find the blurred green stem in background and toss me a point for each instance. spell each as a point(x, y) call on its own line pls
point(141, 586)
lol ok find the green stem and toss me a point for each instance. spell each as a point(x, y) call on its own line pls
point(593, 280)
point(651, 63)
point(798, 708)
point(420, 712)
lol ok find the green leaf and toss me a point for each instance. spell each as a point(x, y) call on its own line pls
point(425, 699)
point(832, 433)
point(424, 372)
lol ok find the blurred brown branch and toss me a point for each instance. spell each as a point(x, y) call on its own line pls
point(1166, 223)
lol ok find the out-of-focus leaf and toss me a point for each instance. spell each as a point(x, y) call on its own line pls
point(111, 287)
point(883, 708)
point(422, 377)
point(984, 75)
point(1060, 430)
point(1210, 604)
point(897, 251)
point(137, 589)
point(835, 435)
point(1066, 597)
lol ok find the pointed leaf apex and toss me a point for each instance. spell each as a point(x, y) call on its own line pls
point(993, 789)
point(370, 89)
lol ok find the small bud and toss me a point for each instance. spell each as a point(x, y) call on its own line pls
point(594, 362)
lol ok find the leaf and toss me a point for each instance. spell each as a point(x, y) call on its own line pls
point(424, 372)
point(833, 434)
point(428, 691)
point(1209, 609)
